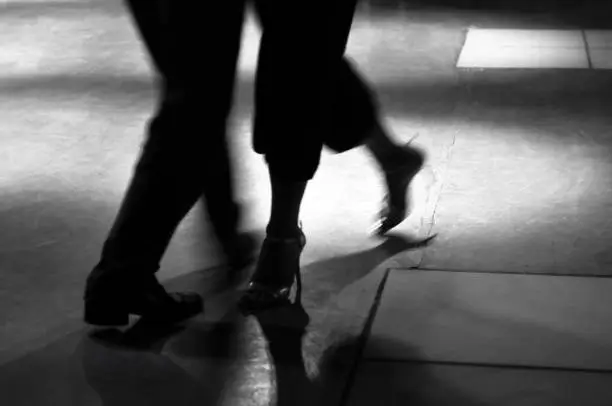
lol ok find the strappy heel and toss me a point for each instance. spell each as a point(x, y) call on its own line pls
point(278, 269)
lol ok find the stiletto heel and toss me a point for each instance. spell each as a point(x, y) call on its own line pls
point(277, 270)
point(398, 178)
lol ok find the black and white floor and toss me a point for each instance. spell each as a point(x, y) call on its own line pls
point(510, 304)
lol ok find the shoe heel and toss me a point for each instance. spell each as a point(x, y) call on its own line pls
point(100, 313)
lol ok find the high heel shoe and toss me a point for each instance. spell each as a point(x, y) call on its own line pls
point(109, 301)
point(277, 269)
point(398, 176)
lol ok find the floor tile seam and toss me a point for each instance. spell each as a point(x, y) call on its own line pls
point(525, 47)
point(428, 220)
point(536, 29)
point(487, 365)
point(523, 67)
point(362, 341)
point(584, 37)
point(490, 272)
point(595, 47)
point(587, 48)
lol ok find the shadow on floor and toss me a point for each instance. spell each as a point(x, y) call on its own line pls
point(284, 330)
point(406, 384)
point(50, 240)
point(325, 279)
point(586, 13)
point(258, 358)
point(132, 367)
point(129, 368)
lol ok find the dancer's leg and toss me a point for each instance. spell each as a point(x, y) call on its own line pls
point(168, 178)
point(356, 122)
point(296, 77)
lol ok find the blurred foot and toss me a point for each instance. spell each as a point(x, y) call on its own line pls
point(399, 169)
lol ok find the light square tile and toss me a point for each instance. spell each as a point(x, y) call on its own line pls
point(442, 385)
point(601, 58)
point(599, 39)
point(529, 186)
point(495, 38)
point(494, 319)
point(473, 56)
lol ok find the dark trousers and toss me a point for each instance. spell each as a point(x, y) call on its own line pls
point(307, 95)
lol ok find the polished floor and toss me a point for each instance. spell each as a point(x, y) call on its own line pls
point(507, 305)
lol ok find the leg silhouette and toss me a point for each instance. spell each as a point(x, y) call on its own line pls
point(184, 157)
point(308, 95)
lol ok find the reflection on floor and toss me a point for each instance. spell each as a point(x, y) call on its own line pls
point(517, 189)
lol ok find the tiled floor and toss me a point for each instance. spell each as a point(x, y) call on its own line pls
point(600, 48)
point(493, 319)
point(517, 179)
point(536, 49)
point(381, 383)
point(467, 338)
